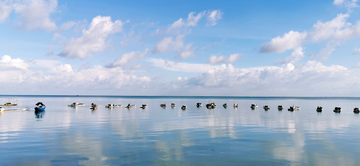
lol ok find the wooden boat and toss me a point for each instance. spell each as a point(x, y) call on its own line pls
point(280, 107)
point(143, 106)
point(129, 106)
point(253, 106)
point(266, 107)
point(172, 105)
point(112, 105)
point(8, 104)
point(236, 105)
point(211, 105)
point(183, 107)
point(337, 109)
point(356, 110)
point(319, 109)
point(94, 106)
point(76, 104)
point(198, 104)
point(225, 105)
point(163, 105)
point(293, 108)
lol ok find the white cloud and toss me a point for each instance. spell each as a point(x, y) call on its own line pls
point(192, 20)
point(92, 39)
point(288, 41)
point(336, 28)
point(347, 3)
point(125, 58)
point(5, 10)
point(170, 44)
point(180, 66)
point(213, 17)
point(221, 59)
point(58, 77)
point(295, 56)
point(7, 62)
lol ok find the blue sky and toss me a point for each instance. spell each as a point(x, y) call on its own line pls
point(252, 48)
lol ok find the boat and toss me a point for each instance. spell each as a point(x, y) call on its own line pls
point(76, 104)
point(225, 105)
point(172, 105)
point(12, 110)
point(163, 105)
point(236, 105)
point(211, 105)
point(40, 107)
point(198, 104)
point(112, 105)
point(293, 108)
point(183, 107)
point(266, 107)
point(337, 109)
point(8, 104)
point(356, 110)
point(280, 107)
point(129, 106)
point(94, 106)
point(1, 109)
point(143, 106)
point(319, 109)
point(253, 106)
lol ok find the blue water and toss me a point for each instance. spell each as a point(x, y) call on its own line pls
point(196, 136)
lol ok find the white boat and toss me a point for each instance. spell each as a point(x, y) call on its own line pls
point(236, 105)
point(129, 106)
point(1, 109)
point(253, 106)
point(9, 104)
point(112, 105)
point(183, 107)
point(143, 106)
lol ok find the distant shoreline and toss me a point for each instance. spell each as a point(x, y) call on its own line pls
point(189, 97)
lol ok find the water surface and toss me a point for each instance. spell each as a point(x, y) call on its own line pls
point(196, 136)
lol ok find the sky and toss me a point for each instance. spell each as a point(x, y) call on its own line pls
point(180, 48)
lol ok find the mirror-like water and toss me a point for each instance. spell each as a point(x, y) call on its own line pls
point(196, 136)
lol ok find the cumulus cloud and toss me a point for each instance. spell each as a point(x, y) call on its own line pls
point(16, 76)
point(221, 59)
point(213, 17)
point(170, 44)
point(33, 14)
point(347, 3)
point(125, 58)
point(7, 62)
point(92, 39)
point(180, 66)
point(288, 41)
point(177, 26)
point(336, 28)
point(295, 56)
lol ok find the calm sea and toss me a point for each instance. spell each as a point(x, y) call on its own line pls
point(196, 136)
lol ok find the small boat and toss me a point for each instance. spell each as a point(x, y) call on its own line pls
point(94, 106)
point(183, 107)
point(319, 109)
point(211, 105)
point(198, 104)
point(280, 107)
point(12, 110)
point(1, 109)
point(8, 104)
point(293, 108)
point(112, 105)
point(76, 104)
point(172, 105)
point(163, 105)
point(236, 105)
point(129, 106)
point(143, 106)
point(40, 107)
point(253, 106)
point(356, 110)
point(225, 105)
point(266, 107)
point(337, 109)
